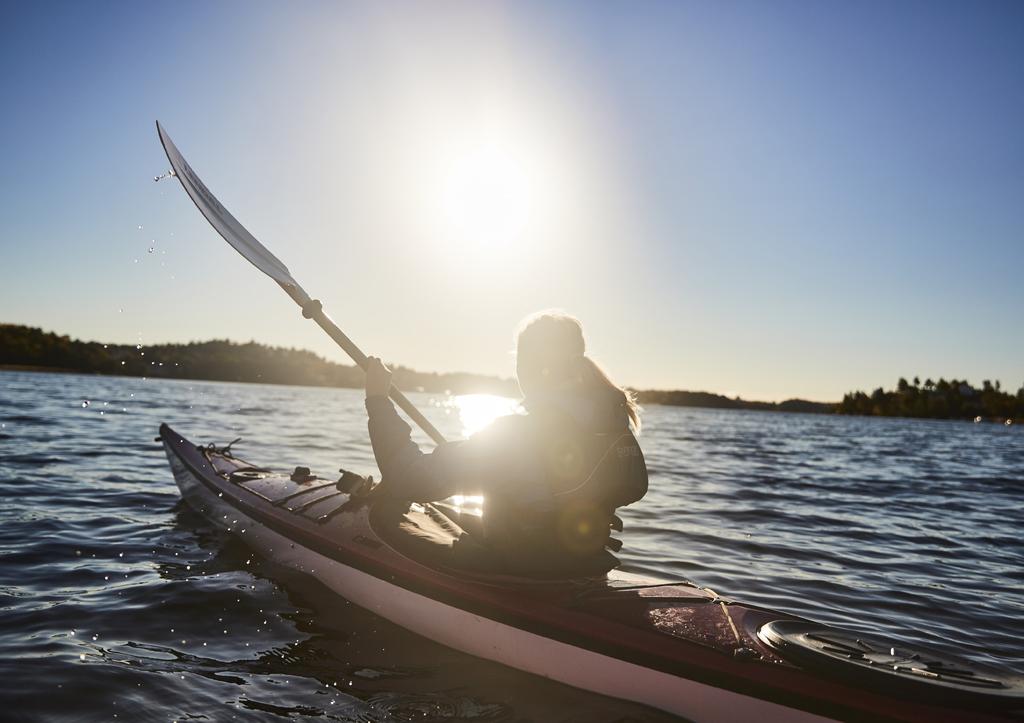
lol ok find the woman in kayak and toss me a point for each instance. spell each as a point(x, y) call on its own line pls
point(551, 479)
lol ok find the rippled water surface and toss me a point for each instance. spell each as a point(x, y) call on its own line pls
point(116, 601)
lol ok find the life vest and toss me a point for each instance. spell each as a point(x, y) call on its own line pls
point(564, 523)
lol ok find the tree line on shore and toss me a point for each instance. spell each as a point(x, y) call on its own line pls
point(222, 360)
point(678, 398)
point(227, 361)
point(219, 360)
point(953, 399)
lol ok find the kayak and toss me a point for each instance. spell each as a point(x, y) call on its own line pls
point(671, 645)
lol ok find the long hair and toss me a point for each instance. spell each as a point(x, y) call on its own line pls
point(551, 344)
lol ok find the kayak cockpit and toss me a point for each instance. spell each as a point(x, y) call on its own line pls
point(429, 536)
point(433, 535)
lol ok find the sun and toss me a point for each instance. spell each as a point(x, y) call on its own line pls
point(489, 197)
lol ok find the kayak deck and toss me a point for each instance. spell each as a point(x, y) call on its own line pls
point(672, 645)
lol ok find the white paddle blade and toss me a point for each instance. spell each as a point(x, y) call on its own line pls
point(226, 224)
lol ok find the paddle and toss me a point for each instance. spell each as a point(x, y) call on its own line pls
point(258, 255)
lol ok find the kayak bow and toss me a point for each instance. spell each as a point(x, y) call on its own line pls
point(669, 645)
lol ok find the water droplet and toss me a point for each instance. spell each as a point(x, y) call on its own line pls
point(135, 261)
point(122, 363)
point(86, 402)
point(140, 228)
point(151, 249)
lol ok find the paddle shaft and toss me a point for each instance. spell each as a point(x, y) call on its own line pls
point(313, 310)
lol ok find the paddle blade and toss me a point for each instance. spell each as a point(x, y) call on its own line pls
point(226, 224)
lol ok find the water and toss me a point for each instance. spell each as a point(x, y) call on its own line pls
point(117, 602)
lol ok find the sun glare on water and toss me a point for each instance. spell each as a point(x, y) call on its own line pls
point(476, 411)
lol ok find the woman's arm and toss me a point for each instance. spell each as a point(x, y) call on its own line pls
point(488, 459)
point(390, 436)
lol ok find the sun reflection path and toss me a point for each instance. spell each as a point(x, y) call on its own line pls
point(476, 411)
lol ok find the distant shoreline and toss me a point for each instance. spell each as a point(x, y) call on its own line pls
point(34, 350)
point(40, 369)
point(641, 395)
point(30, 349)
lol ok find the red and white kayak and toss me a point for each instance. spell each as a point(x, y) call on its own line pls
point(672, 646)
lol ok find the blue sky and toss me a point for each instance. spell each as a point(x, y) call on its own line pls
point(764, 199)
